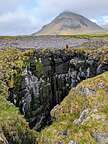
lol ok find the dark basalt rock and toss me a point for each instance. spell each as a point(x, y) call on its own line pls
point(39, 92)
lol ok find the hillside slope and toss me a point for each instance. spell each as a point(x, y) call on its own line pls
point(105, 27)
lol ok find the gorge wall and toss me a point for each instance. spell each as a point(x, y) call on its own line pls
point(47, 79)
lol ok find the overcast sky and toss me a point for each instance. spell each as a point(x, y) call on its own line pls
point(27, 16)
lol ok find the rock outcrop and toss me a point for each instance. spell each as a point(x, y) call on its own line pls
point(101, 138)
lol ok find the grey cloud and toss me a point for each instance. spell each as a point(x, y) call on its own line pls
point(89, 8)
point(11, 5)
point(17, 23)
point(24, 16)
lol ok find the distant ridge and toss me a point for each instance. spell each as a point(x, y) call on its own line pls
point(68, 23)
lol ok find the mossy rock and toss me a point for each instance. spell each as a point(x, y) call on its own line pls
point(90, 95)
point(12, 124)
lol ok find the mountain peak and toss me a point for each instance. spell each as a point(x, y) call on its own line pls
point(67, 13)
point(68, 23)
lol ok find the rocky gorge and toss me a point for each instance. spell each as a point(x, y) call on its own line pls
point(48, 79)
point(44, 85)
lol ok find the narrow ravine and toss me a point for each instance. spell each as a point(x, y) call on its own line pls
point(46, 81)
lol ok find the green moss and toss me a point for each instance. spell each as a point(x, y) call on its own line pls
point(13, 125)
point(39, 68)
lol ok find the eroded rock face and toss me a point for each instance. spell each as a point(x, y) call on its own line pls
point(39, 93)
point(35, 95)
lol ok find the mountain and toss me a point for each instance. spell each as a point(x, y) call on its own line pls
point(68, 23)
point(105, 27)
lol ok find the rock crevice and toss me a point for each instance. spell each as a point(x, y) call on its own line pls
point(47, 80)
